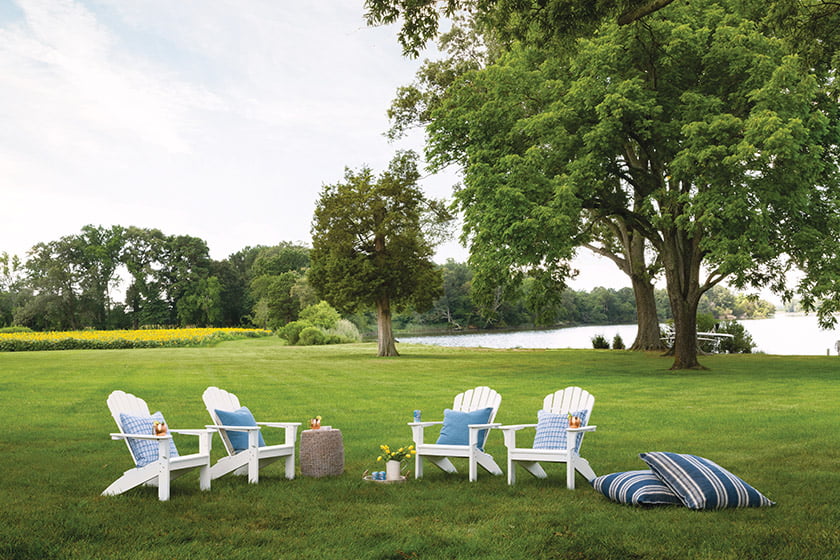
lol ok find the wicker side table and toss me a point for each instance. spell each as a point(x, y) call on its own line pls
point(321, 453)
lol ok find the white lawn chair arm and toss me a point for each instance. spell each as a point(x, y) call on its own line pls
point(191, 432)
point(286, 425)
point(516, 427)
point(484, 426)
point(233, 428)
point(425, 424)
point(581, 429)
point(139, 436)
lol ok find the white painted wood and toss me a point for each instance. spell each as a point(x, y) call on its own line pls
point(249, 461)
point(570, 399)
point(439, 455)
point(166, 468)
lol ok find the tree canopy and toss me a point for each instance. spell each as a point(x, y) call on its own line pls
point(372, 244)
point(696, 126)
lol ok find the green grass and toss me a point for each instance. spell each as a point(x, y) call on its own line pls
point(772, 420)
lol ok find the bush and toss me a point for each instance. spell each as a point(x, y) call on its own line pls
point(320, 315)
point(291, 332)
point(600, 342)
point(742, 343)
point(344, 331)
point(12, 330)
point(311, 336)
point(618, 343)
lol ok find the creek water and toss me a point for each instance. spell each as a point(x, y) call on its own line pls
point(787, 334)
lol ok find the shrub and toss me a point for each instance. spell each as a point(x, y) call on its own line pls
point(291, 332)
point(600, 342)
point(321, 315)
point(11, 330)
point(312, 336)
point(618, 343)
point(742, 343)
point(344, 331)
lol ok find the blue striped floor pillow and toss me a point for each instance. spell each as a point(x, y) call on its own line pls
point(701, 483)
point(636, 488)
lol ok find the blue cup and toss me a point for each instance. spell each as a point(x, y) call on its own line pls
point(416, 415)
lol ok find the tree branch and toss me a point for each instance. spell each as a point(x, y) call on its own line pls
point(641, 11)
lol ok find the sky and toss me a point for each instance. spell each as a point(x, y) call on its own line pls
point(219, 119)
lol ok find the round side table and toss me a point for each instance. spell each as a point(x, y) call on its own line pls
point(321, 453)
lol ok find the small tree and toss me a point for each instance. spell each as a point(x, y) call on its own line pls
point(372, 243)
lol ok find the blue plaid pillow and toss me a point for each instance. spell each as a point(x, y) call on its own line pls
point(636, 488)
point(145, 451)
point(551, 429)
point(701, 483)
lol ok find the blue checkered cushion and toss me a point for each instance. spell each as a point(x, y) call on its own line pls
point(636, 488)
point(551, 429)
point(701, 483)
point(145, 451)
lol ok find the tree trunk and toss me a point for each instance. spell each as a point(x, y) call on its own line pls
point(647, 321)
point(387, 344)
point(685, 334)
point(681, 255)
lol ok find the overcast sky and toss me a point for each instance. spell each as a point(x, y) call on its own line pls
point(219, 119)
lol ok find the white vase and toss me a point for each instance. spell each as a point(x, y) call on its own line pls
point(392, 470)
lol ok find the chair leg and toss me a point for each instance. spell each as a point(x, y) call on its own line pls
point(204, 477)
point(164, 480)
point(253, 466)
point(418, 466)
point(290, 466)
point(511, 471)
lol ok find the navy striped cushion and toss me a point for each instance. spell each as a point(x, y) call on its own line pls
point(701, 483)
point(636, 488)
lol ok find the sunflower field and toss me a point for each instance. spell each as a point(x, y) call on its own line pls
point(107, 340)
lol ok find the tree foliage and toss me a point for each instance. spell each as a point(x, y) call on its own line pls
point(372, 244)
point(709, 137)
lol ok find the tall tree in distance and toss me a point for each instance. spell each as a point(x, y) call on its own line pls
point(372, 244)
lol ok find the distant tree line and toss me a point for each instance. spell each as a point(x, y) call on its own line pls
point(118, 277)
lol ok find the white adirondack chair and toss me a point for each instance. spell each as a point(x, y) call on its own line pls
point(468, 401)
point(166, 468)
point(570, 399)
point(251, 460)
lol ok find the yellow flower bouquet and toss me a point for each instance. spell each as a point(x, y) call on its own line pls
point(396, 455)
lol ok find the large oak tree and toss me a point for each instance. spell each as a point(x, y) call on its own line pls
point(709, 138)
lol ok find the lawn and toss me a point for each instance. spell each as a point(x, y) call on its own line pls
point(772, 420)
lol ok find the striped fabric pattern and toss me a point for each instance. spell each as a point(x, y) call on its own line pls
point(146, 451)
point(635, 488)
point(701, 483)
point(551, 429)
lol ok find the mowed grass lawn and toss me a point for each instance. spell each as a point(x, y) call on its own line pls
point(772, 420)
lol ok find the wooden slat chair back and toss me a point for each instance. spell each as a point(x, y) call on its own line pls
point(564, 401)
point(161, 472)
point(255, 457)
point(468, 401)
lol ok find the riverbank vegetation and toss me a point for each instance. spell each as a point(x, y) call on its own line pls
point(129, 278)
point(58, 457)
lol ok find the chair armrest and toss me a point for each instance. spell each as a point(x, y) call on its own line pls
point(280, 424)
point(484, 426)
point(192, 432)
point(581, 429)
point(516, 427)
point(425, 424)
point(290, 427)
point(233, 428)
point(139, 436)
